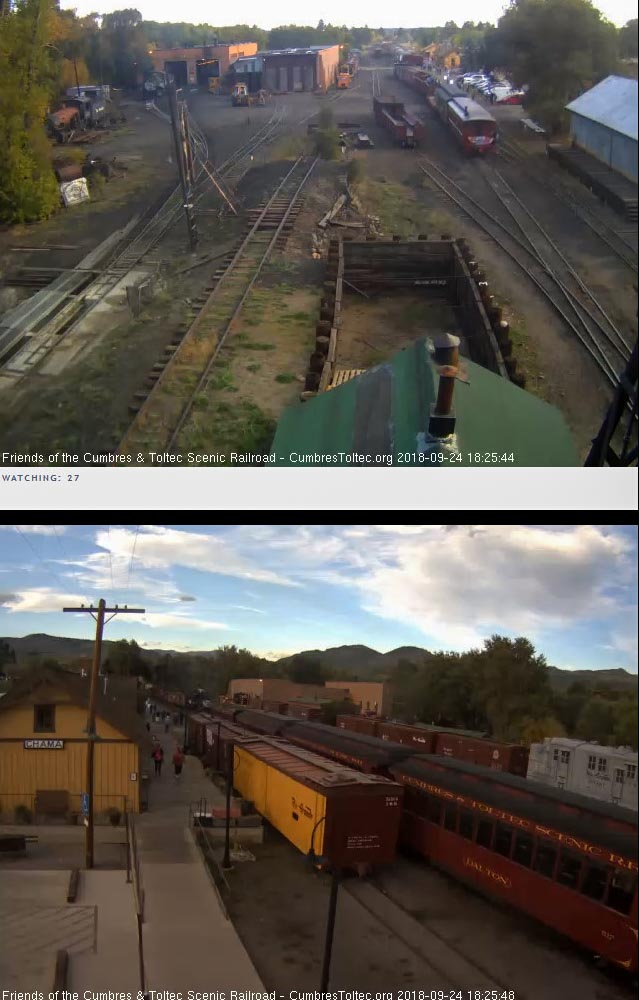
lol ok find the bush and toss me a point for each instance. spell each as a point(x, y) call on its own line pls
point(23, 814)
point(325, 119)
point(355, 172)
point(327, 144)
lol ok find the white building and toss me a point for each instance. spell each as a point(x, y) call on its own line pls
point(605, 773)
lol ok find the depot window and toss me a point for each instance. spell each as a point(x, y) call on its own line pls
point(44, 718)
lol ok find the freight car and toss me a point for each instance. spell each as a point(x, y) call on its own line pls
point(474, 747)
point(472, 125)
point(406, 130)
point(566, 860)
point(417, 79)
point(336, 815)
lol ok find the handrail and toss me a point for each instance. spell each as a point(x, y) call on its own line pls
point(133, 871)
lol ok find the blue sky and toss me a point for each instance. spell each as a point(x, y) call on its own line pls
point(279, 589)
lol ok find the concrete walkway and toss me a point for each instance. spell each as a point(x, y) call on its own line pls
point(188, 942)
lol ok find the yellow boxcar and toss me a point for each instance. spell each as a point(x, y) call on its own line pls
point(344, 816)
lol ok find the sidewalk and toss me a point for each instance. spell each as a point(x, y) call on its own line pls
point(188, 943)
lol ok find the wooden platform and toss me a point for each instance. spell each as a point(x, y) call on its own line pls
point(344, 375)
point(619, 192)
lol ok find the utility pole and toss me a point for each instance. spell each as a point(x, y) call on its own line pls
point(330, 927)
point(98, 614)
point(178, 140)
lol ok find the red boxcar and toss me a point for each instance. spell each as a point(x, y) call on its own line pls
point(405, 129)
point(489, 753)
point(567, 860)
point(357, 724)
point(412, 736)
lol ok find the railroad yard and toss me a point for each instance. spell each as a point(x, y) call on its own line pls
point(217, 342)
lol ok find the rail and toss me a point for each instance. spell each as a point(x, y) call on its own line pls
point(211, 863)
point(134, 873)
point(592, 341)
point(158, 416)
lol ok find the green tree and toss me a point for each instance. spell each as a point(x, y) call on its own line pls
point(510, 681)
point(626, 723)
point(596, 721)
point(332, 709)
point(628, 40)
point(558, 48)
point(28, 188)
point(7, 654)
point(125, 660)
point(306, 669)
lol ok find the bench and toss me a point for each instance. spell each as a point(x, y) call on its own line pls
point(532, 126)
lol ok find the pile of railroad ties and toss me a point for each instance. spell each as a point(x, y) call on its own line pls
point(350, 795)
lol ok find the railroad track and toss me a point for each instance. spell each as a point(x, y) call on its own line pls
point(613, 238)
point(544, 264)
point(164, 407)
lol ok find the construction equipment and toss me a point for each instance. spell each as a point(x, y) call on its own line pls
point(242, 99)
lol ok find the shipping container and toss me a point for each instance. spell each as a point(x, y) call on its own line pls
point(340, 816)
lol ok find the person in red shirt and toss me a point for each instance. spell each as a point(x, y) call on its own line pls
point(178, 761)
point(158, 757)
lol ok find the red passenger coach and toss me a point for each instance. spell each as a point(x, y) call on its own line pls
point(472, 125)
point(567, 860)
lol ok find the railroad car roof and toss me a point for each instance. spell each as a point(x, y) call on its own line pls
point(469, 111)
point(475, 734)
point(497, 788)
point(310, 768)
point(369, 748)
point(271, 722)
point(451, 90)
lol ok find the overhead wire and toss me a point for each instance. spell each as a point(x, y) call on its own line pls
point(49, 569)
point(135, 541)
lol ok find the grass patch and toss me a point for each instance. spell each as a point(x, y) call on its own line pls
point(285, 377)
point(395, 205)
point(254, 367)
point(225, 428)
point(257, 345)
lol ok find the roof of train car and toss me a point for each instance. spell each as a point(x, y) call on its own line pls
point(504, 791)
point(451, 90)
point(468, 110)
point(273, 722)
point(473, 733)
point(369, 747)
point(309, 767)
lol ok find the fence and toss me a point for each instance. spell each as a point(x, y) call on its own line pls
point(133, 873)
point(211, 863)
point(35, 806)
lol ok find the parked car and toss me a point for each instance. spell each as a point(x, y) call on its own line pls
point(514, 97)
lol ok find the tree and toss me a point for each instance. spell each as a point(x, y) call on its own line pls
point(7, 654)
point(628, 40)
point(28, 188)
point(558, 48)
point(510, 681)
point(125, 660)
point(332, 709)
point(596, 721)
point(305, 669)
point(626, 723)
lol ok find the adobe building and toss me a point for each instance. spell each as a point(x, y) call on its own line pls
point(43, 746)
point(270, 692)
point(371, 697)
point(193, 66)
point(289, 70)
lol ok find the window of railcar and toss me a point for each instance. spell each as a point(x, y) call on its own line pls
point(569, 870)
point(545, 859)
point(523, 850)
point(450, 817)
point(595, 880)
point(621, 891)
point(421, 804)
point(503, 839)
point(466, 824)
point(484, 836)
point(435, 807)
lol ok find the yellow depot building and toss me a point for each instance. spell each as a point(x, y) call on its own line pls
point(43, 745)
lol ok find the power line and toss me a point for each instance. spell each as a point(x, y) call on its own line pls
point(110, 559)
point(39, 557)
point(135, 541)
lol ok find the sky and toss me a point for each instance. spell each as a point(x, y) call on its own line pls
point(405, 14)
point(278, 589)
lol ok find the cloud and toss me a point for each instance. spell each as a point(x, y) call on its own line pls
point(41, 599)
point(37, 529)
point(243, 607)
point(161, 620)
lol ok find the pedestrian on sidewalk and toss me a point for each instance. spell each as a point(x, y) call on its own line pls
point(178, 761)
point(158, 757)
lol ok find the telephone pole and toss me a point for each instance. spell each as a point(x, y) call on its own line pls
point(182, 159)
point(98, 614)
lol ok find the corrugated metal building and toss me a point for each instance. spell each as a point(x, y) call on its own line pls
point(605, 773)
point(385, 412)
point(603, 122)
point(43, 745)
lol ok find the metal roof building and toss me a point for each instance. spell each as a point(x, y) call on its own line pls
point(385, 413)
point(603, 122)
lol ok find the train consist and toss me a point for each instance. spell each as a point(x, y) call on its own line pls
point(566, 860)
point(472, 125)
point(405, 129)
point(475, 748)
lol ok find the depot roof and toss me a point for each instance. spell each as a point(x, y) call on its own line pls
point(612, 103)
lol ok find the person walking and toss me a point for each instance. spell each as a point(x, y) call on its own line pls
point(178, 761)
point(158, 758)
